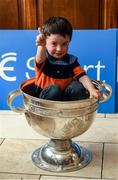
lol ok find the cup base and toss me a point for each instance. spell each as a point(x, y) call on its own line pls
point(66, 156)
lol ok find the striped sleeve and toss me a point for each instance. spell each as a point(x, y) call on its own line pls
point(77, 70)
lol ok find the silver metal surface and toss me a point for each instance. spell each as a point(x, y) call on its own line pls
point(60, 121)
point(61, 156)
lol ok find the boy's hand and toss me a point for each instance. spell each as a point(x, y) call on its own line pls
point(95, 93)
point(40, 39)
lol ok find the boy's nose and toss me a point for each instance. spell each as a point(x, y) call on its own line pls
point(58, 48)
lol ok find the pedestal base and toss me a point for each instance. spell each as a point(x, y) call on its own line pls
point(61, 156)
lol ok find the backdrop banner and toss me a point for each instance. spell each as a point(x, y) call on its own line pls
point(116, 109)
point(95, 49)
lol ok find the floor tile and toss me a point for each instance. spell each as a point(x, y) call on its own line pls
point(10, 176)
point(15, 156)
point(66, 178)
point(100, 115)
point(7, 112)
point(114, 115)
point(11, 125)
point(102, 130)
point(110, 166)
point(1, 140)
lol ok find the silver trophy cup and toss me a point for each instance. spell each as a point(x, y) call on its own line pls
point(60, 121)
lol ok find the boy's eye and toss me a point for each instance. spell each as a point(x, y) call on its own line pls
point(65, 44)
point(54, 43)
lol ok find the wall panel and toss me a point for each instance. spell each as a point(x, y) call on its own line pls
point(30, 14)
point(9, 14)
point(81, 14)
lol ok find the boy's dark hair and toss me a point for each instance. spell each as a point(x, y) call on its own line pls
point(57, 25)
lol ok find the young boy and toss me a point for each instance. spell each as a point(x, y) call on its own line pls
point(58, 74)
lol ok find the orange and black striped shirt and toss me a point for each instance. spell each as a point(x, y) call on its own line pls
point(61, 72)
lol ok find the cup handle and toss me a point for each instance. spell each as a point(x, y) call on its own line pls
point(10, 97)
point(105, 88)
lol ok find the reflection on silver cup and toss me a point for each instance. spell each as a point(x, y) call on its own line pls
point(60, 121)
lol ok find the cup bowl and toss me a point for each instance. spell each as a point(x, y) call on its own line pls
point(60, 121)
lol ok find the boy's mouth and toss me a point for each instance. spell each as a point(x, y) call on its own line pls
point(58, 54)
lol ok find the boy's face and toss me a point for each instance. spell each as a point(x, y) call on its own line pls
point(57, 45)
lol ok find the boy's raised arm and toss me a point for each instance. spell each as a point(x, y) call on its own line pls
point(41, 47)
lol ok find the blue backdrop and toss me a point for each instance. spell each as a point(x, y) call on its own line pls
point(96, 50)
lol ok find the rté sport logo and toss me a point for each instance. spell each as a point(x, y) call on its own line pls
point(4, 68)
point(12, 56)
